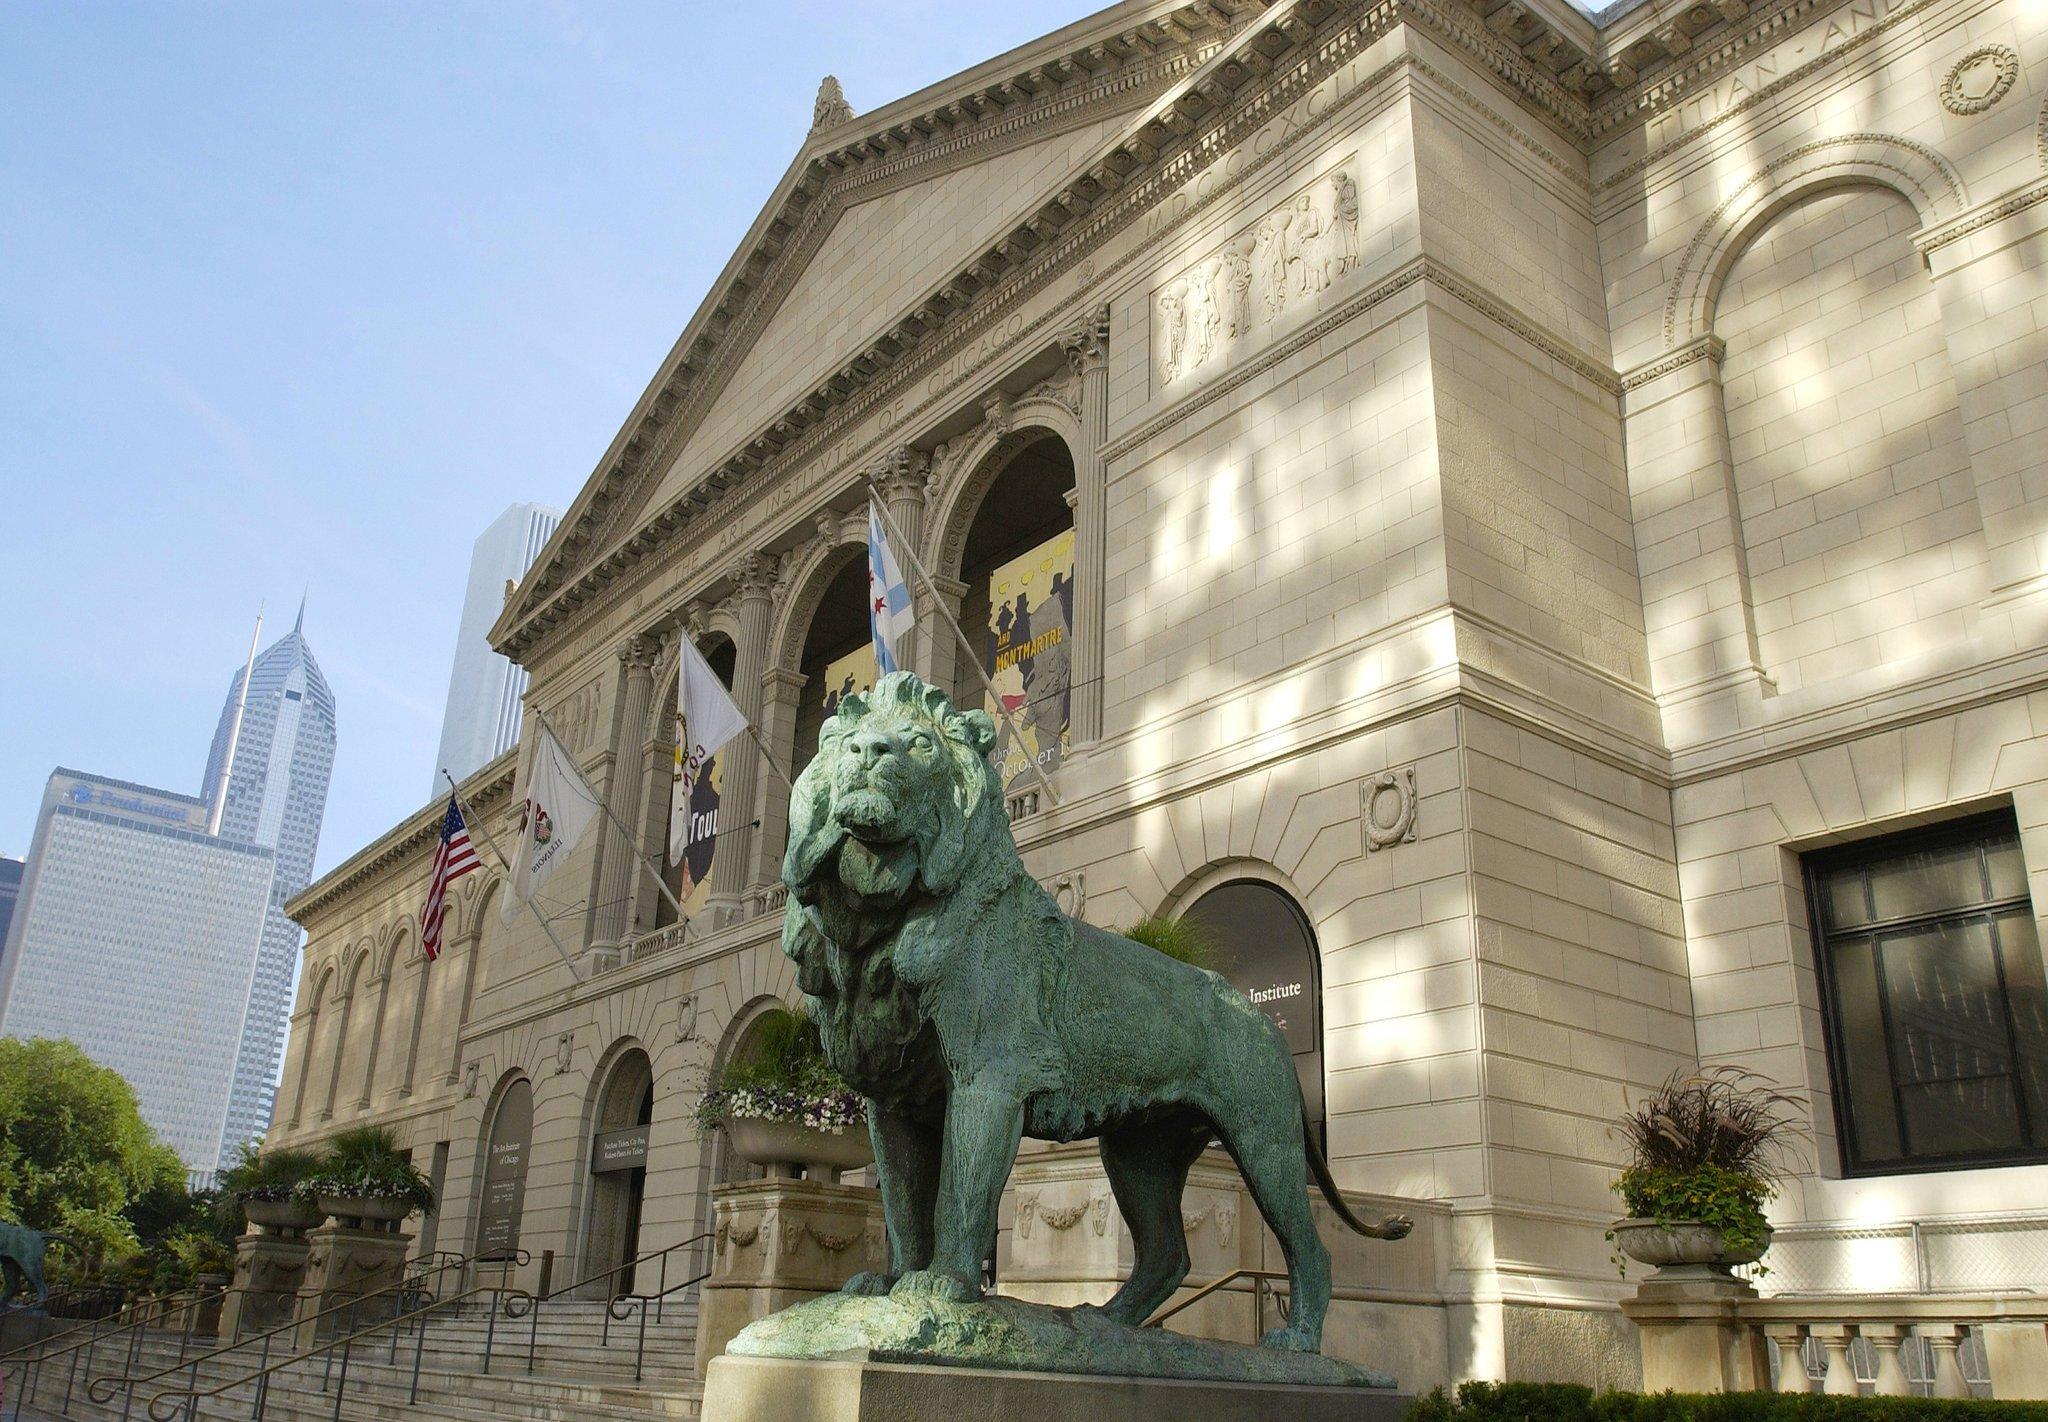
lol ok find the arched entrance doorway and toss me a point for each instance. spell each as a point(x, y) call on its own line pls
point(1017, 563)
point(618, 1172)
point(1266, 949)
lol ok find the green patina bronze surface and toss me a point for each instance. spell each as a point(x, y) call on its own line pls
point(21, 1262)
point(952, 992)
point(1025, 1337)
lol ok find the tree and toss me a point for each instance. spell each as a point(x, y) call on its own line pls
point(72, 1140)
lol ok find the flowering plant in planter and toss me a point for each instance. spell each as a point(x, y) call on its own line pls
point(365, 1163)
point(1706, 1153)
point(784, 1077)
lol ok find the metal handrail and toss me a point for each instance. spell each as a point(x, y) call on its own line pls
point(154, 1310)
point(1261, 1286)
point(189, 1397)
point(410, 1283)
point(12, 1354)
point(521, 1302)
point(638, 1303)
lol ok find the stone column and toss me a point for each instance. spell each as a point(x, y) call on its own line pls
point(1698, 612)
point(657, 764)
point(303, 1026)
point(753, 578)
point(347, 1001)
point(1087, 355)
point(270, 1267)
point(780, 1242)
point(622, 791)
point(780, 691)
point(943, 654)
point(904, 479)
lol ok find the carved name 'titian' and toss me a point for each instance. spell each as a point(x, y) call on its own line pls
point(952, 992)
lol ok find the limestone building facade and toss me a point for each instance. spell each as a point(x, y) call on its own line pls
point(1557, 532)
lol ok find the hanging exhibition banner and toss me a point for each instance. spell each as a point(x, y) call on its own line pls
point(697, 828)
point(853, 672)
point(1029, 656)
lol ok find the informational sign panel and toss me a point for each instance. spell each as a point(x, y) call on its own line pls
point(624, 1149)
point(504, 1190)
point(1029, 654)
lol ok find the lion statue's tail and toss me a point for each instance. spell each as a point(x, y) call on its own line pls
point(1392, 1227)
point(51, 1236)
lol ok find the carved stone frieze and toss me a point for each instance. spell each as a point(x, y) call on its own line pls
point(1259, 276)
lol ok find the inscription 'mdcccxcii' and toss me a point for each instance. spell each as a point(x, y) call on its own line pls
point(1287, 258)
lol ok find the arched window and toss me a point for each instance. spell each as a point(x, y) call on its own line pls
point(690, 876)
point(838, 655)
point(1266, 949)
point(1018, 567)
point(624, 1108)
point(507, 1150)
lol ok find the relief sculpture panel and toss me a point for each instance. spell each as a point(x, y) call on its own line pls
point(1276, 267)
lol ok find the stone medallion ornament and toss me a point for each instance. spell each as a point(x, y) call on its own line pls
point(951, 991)
point(1980, 79)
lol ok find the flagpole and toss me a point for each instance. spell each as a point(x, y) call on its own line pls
point(471, 818)
point(881, 508)
point(645, 863)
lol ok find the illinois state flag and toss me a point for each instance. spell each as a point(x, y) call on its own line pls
point(890, 616)
point(560, 806)
point(706, 719)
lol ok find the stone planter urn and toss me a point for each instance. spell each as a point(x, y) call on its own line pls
point(286, 1217)
point(365, 1211)
point(1684, 1248)
point(783, 1146)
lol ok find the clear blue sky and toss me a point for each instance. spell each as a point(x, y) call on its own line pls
point(298, 296)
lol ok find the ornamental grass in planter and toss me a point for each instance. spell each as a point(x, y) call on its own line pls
point(365, 1177)
point(1182, 939)
point(265, 1183)
point(1706, 1153)
point(780, 1102)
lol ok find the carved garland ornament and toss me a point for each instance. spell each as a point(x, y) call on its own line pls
point(1980, 79)
point(1390, 809)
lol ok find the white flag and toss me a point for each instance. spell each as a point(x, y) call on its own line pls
point(560, 806)
point(705, 720)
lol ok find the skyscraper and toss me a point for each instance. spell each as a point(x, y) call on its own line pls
point(274, 798)
point(482, 716)
point(136, 937)
point(10, 892)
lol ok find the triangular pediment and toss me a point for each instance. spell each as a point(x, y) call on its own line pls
point(880, 255)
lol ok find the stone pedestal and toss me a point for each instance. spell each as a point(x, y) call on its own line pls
point(345, 1264)
point(779, 1242)
point(1693, 1338)
point(778, 1389)
point(269, 1269)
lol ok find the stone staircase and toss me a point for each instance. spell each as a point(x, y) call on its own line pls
point(576, 1377)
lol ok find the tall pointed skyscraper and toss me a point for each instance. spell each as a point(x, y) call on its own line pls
point(274, 797)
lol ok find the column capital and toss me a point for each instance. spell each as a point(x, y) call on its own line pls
point(1087, 345)
point(904, 474)
point(640, 651)
point(754, 575)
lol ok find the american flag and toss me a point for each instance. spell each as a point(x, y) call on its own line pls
point(453, 858)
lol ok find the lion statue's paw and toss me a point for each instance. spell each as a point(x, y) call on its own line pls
point(1396, 1227)
point(931, 1284)
point(868, 1284)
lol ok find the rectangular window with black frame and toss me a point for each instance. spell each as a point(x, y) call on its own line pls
point(1936, 1009)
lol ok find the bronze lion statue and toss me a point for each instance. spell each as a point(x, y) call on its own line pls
point(952, 993)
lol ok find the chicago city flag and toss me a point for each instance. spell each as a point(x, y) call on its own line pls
point(560, 806)
point(706, 719)
point(890, 616)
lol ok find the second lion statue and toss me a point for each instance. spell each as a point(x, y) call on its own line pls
point(954, 995)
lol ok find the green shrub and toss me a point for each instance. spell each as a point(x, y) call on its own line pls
point(365, 1162)
point(1565, 1402)
point(1184, 940)
point(201, 1254)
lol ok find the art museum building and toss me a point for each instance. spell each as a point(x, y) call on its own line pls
point(1532, 526)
